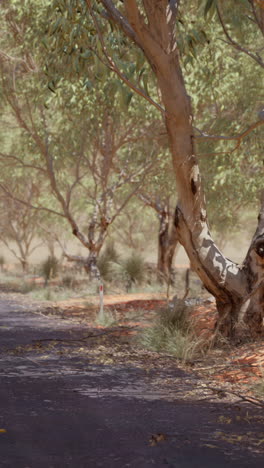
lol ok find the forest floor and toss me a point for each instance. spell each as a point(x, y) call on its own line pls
point(76, 394)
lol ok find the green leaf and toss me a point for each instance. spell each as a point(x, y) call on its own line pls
point(86, 55)
point(208, 6)
point(51, 86)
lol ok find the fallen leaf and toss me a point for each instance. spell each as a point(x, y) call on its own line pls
point(156, 438)
point(210, 446)
point(224, 420)
point(260, 442)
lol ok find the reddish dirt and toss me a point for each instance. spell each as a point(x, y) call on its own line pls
point(244, 364)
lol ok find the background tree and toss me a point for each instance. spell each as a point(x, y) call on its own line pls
point(79, 147)
point(158, 194)
point(19, 224)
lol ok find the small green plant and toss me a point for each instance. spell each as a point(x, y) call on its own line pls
point(173, 332)
point(2, 262)
point(49, 268)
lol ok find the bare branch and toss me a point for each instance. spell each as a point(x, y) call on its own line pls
point(238, 137)
point(23, 202)
point(19, 163)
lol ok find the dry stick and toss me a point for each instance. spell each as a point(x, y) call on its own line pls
point(253, 400)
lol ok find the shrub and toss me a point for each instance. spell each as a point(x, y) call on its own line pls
point(173, 332)
point(133, 269)
point(49, 268)
point(27, 287)
point(108, 256)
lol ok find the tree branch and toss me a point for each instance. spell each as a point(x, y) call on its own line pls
point(258, 21)
point(238, 137)
point(23, 202)
point(114, 14)
point(235, 44)
point(115, 69)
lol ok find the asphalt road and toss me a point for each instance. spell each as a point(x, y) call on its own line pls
point(59, 411)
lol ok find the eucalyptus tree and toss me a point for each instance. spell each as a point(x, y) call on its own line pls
point(76, 143)
point(224, 95)
point(158, 193)
point(154, 27)
point(19, 224)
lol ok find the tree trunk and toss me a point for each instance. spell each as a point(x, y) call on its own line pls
point(167, 243)
point(238, 289)
point(90, 265)
point(24, 264)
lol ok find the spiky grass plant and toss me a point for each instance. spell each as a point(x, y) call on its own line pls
point(133, 269)
point(108, 256)
point(173, 332)
point(49, 268)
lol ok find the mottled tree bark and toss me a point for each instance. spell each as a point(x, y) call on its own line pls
point(167, 243)
point(238, 289)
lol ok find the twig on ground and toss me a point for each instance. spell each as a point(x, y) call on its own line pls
point(65, 340)
point(252, 400)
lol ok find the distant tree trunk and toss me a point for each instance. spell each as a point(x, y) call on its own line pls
point(167, 243)
point(90, 265)
point(24, 264)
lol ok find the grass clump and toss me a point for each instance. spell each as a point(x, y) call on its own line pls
point(133, 269)
point(258, 388)
point(27, 287)
point(49, 268)
point(106, 320)
point(173, 332)
point(106, 259)
point(44, 294)
point(127, 272)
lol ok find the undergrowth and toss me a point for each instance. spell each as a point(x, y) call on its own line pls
point(106, 259)
point(49, 268)
point(59, 293)
point(107, 319)
point(258, 388)
point(173, 333)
